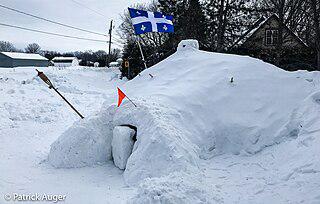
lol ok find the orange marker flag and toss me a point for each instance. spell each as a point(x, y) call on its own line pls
point(122, 96)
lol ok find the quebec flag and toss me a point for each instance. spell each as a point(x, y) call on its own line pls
point(146, 21)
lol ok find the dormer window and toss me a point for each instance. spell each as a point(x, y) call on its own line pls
point(272, 37)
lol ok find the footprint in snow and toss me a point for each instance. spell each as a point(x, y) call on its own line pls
point(11, 91)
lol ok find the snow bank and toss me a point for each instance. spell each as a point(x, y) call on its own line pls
point(178, 187)
point(304, 119)
point(122, 144)
point(190, 111)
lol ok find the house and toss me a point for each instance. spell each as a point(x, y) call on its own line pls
point(262, 41)
point(16, 59)
point(65, 61)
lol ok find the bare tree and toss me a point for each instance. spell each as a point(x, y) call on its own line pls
point(229, 20)
point(33, 48)
point(7, 47)
point(126, 28)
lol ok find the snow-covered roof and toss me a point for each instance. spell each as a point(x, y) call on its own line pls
point(114, 63)
point(64, 58)
point(19, 55)
point(251, 32)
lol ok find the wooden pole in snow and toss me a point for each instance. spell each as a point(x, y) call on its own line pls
point(143, 59)
point(131, 101)
point(48, 82)
point(141, 52)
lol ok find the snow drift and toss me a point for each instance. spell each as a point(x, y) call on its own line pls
point(189, 111)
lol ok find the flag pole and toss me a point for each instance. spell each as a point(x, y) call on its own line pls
point(131, 101)
point(143, 59)
point(141, 52)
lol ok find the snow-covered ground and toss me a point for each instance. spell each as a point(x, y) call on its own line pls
point(32, 117)
point(200, 138)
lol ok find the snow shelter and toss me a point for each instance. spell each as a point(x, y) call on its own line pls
point(65, 61)
point(17, 59)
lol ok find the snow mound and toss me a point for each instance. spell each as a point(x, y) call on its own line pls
point(86, 143)
point(188, 45)
point(191, 110)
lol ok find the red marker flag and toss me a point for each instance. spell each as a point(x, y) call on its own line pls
point(121, 96)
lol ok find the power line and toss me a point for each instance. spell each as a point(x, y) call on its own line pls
point(83, 5)
point(51, 21)
point(56, 34)
point(117, 40)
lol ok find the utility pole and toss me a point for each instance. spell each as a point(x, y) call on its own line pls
point(110, 35)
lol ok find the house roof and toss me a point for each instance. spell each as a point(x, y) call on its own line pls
point(258, 25)
point(19, 55)
point(64, 58)
point(253, 30)
point(114, 63)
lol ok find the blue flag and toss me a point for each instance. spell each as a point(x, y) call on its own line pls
point(146, 21)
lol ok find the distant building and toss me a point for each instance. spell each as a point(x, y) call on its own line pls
point(114, 64)
point(96, 64)
point(65, 61)
point(119, 60)
point(262, 41)
point(16, 59)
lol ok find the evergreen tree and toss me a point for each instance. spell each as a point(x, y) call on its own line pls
point(132, 54)
point(192, 23)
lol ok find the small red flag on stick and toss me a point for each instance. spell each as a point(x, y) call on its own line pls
point(122, 96)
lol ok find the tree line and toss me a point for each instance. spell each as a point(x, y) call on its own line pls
point(217, 25)
point(87, 57)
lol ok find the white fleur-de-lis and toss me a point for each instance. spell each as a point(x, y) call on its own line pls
point(165, 27)
point(143, 27)
point(138, 13)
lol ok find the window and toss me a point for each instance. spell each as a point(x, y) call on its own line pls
point(272, 37)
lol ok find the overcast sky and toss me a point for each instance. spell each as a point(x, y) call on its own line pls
point(64, 11)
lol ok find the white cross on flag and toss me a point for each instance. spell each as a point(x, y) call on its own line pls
point(146, 21)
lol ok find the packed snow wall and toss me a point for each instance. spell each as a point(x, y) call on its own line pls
point(86, 143)
point(191, 110)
